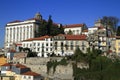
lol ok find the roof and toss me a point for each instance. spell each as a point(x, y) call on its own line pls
point(38, 38)
point(18, 44)
point(73, 25)
point(20, 55)
point(20, 66)
point(76, 37)
point(31, 73)
point(15, 21)
point(6, 64)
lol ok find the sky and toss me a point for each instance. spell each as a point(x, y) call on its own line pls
point(62, 11)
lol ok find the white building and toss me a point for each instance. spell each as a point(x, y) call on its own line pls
point(17, 31)
point(31, 76)
point(60, 45)
point(76, 29)
point(67, 44)
point(42, 45)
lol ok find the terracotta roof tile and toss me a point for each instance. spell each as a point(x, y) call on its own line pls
point(6, 64)
point(31, 73)
point(15, 21)
point(73, 25)
point(75, 37)
point(38, 38)
point(20, 66)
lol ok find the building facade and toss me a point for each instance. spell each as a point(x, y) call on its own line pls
point(60, 45)
point(74, 29)
point(17, 31)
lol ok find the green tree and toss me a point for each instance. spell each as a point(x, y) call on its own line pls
point(32, 54)
point(49, 28)
point(78, 55)
point(70, 32)
point(118, 31)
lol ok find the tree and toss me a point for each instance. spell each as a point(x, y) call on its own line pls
point(49, 25)
point(78, 55)
point(118, 31)
point(70, 32)
point(20, 49)
point(32, 54)
point(111, 22)
point(49, 28)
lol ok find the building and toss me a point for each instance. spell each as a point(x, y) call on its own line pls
point(17, 31)
point(117, 45)
point(3, 60)
point(67, 44)
point(42, 45)
point(31, 76)
point(60, 45)
point(18, 72)
point(74, 29)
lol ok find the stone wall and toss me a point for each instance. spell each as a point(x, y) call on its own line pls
point(39, 60)
point(61, 73)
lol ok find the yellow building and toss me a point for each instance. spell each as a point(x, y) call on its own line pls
point(3, 60)
point(117, 45)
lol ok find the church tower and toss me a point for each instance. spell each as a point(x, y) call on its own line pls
point(98, 23)
point(38, 16)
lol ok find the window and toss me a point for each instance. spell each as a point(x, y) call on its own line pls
point(34, 44)
point(51, 44)
point(30, 45)
point(50, 49)
point(38, 44)
point(51, 39)
point(46, 44)
point(29, 77)
point(38, 49)
point(24, 76)
point(71, 44)
point(46, 49)
point(55, 45)
point(61, 45)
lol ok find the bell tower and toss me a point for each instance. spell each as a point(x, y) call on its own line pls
point(38, 16)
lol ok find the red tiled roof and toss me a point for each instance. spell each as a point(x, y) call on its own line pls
point(31, 73)
point(20, 66)
point(38, 38)
point(73, 25)
point(6, 64)
point(15, 21)
point(18, 44)
point(75, 37)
